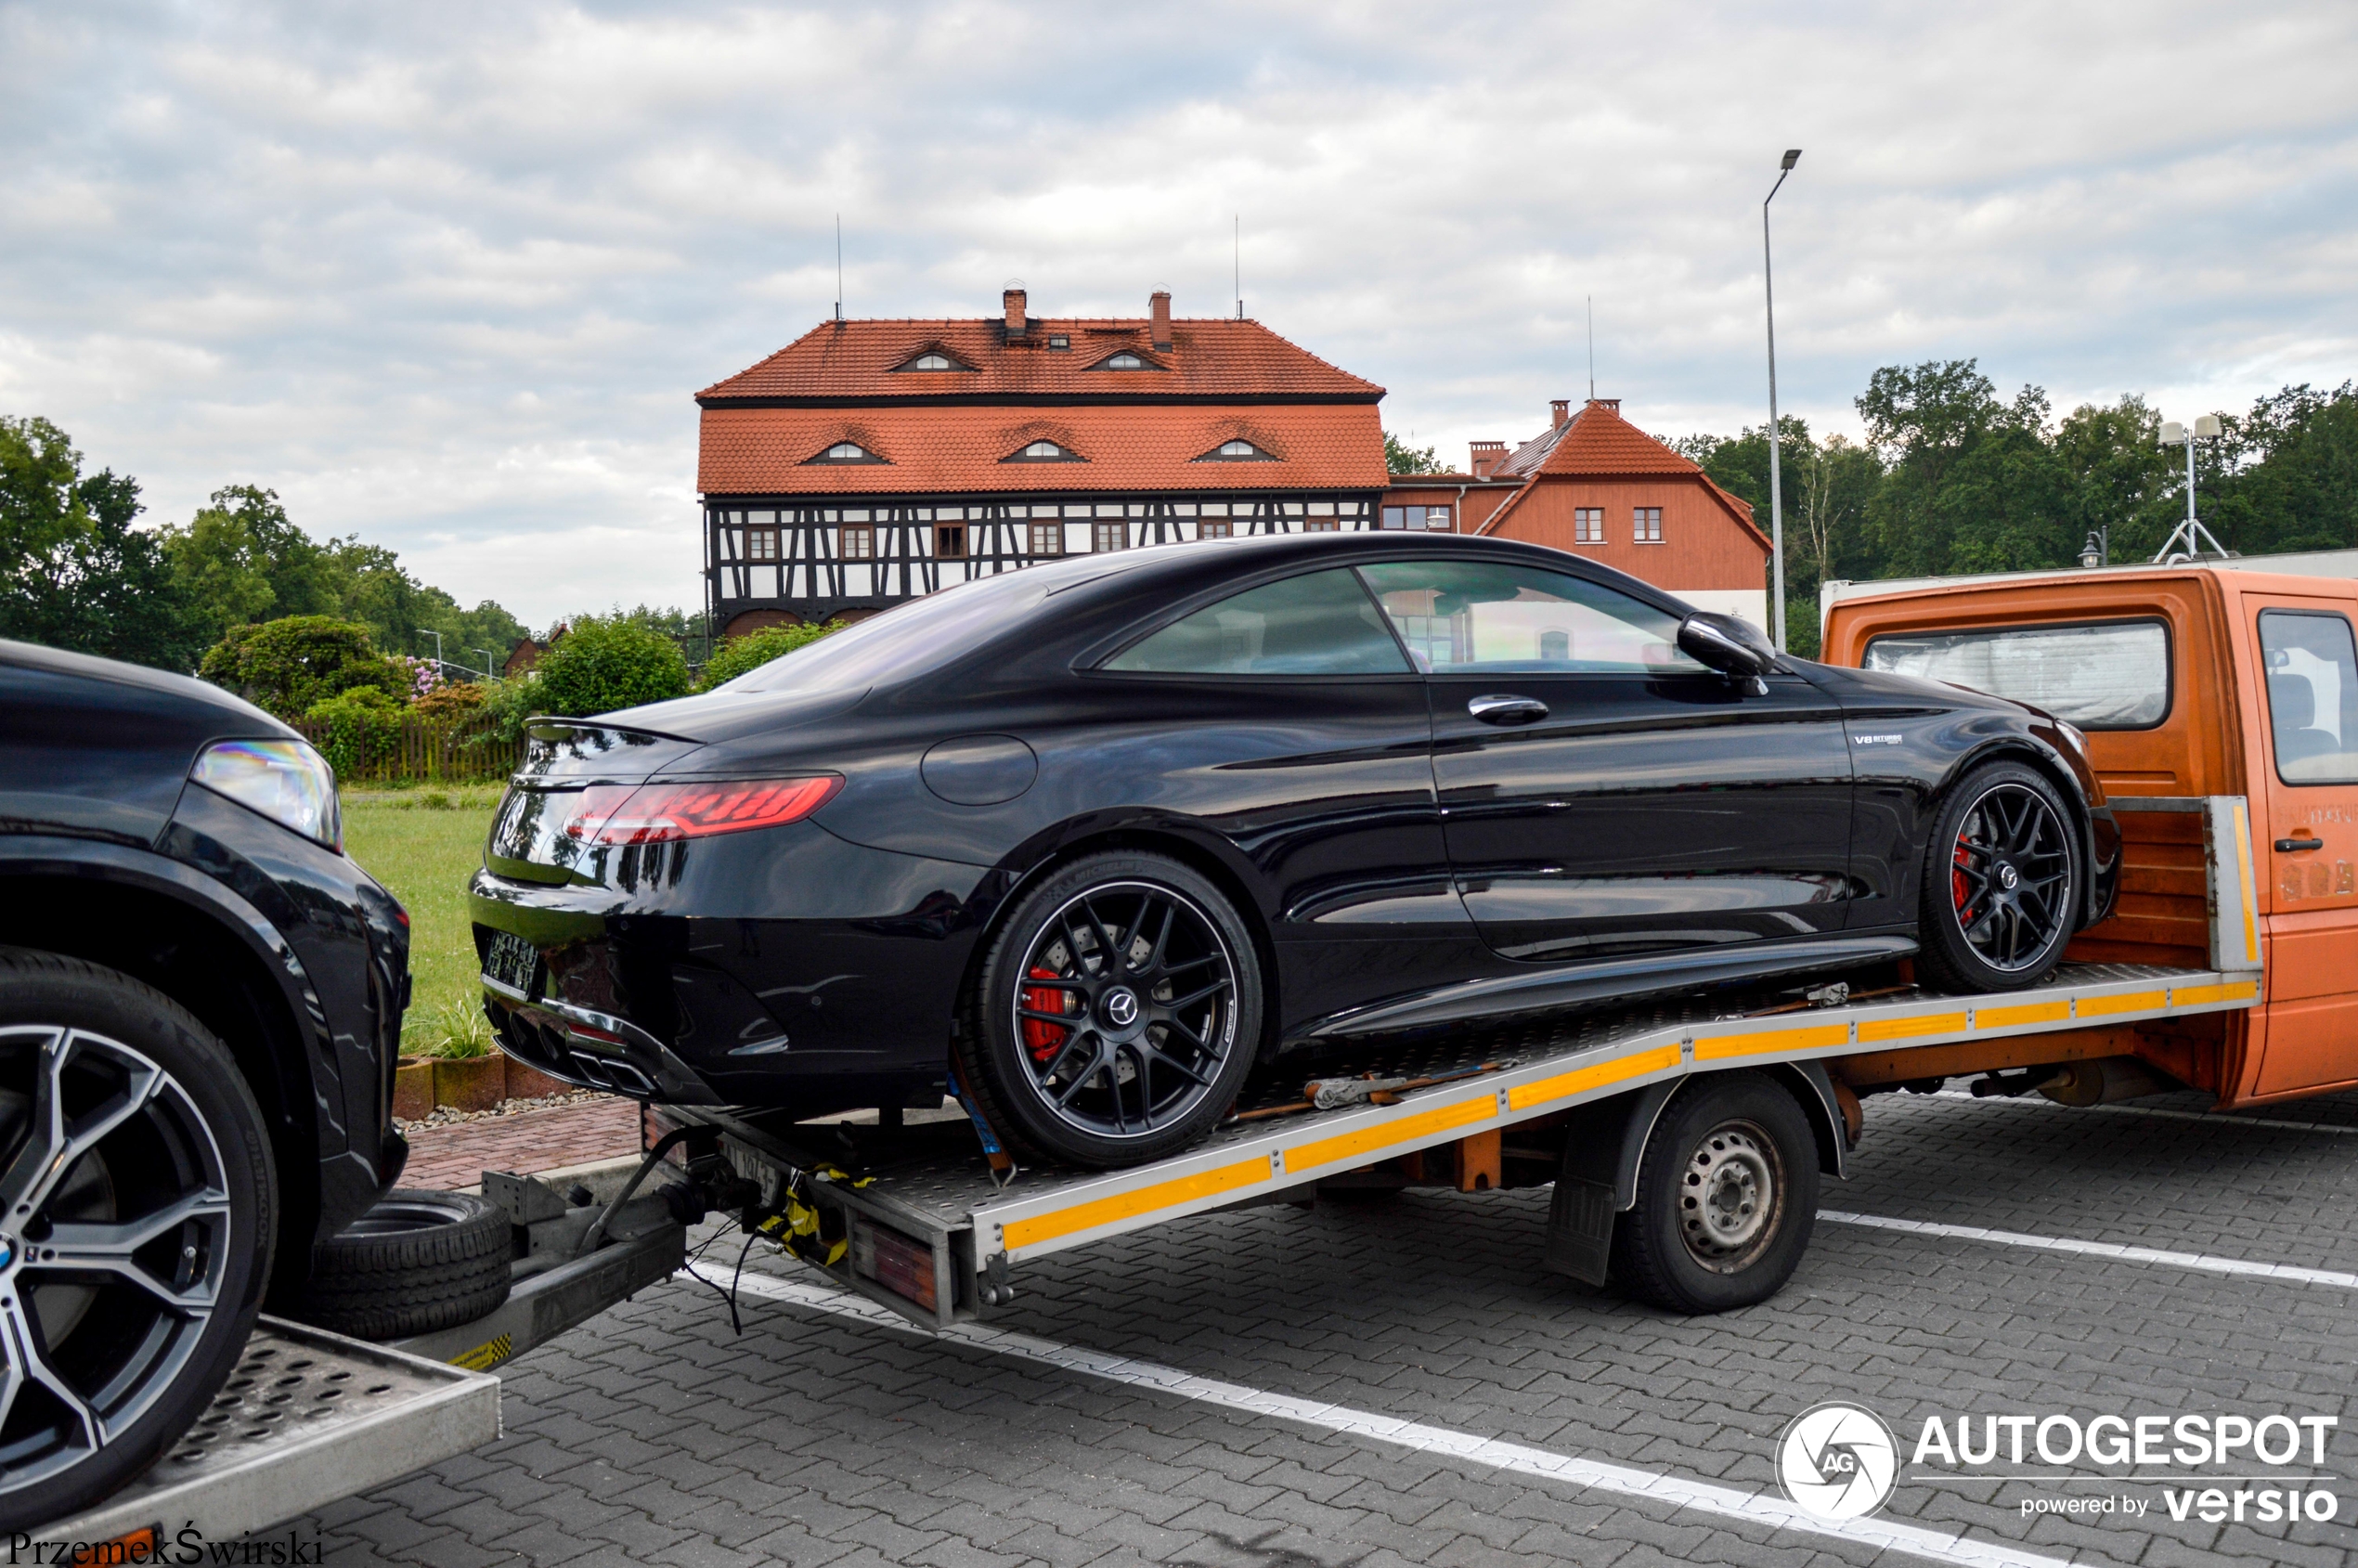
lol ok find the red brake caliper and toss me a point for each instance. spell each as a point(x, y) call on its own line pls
point(1044, 1040)
point(1957, 887)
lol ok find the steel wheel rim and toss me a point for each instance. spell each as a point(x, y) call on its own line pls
point(98, 1313)
point(1125, 1049)
point(1732, 1195)
point(2010, 877)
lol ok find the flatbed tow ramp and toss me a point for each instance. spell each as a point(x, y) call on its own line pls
point(929, 1231)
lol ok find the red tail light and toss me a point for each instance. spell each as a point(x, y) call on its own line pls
point(658, 814)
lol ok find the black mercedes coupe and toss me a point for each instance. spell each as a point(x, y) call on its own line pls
point(1090, 842)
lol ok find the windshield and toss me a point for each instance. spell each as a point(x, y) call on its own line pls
point(893, 643)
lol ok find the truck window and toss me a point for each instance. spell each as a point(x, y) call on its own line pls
point(2104, 675)
point(2313, 695)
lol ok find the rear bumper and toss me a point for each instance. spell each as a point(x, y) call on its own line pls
point(590, 1048)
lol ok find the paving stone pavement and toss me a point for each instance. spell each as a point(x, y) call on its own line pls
point(653, 1435)
point(458, 1154)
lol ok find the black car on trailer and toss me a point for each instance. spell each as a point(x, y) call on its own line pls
point(1093, 840)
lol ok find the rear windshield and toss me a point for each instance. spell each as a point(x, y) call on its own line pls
point(910, 635)
point(2102, 675)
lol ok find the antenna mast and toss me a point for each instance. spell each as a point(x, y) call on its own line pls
point(1236, 239)
point(1592, 348)
point(838, 269)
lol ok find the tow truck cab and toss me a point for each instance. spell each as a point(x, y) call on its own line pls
point(2188, 681)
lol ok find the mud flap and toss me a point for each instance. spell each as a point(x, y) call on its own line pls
point(1603, 1142)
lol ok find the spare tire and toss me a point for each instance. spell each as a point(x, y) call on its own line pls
point(416, 1263)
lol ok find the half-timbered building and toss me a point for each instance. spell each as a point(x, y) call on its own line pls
point(870, 461)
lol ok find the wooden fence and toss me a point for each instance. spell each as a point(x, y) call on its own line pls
point(418, 751)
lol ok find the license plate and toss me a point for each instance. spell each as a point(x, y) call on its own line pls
point(512, 962)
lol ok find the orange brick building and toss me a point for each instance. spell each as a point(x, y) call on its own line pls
point(1595, 485)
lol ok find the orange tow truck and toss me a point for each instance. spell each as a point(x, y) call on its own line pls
point(2190, 683)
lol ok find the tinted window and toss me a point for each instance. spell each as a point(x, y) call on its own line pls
point(1474, 617)
point(2313, 695)
point(2110, 675)
point(1317, 624)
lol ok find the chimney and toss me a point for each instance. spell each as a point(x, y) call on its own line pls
point(1487, 456)
point(1611, 403)
point(1159, 304)
point(1014, 301)
point(1561, 408)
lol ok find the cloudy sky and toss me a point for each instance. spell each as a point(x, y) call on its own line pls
point(447, 274)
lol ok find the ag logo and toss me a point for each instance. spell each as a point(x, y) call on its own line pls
point(1837, 1460)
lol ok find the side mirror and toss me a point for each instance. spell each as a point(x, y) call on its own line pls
point(1735, 648)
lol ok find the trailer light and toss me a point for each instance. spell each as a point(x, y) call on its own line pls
point(661, 814)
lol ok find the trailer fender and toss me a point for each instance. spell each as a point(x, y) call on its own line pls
point(1606, 1140)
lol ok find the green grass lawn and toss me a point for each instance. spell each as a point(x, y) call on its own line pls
point(423, 845)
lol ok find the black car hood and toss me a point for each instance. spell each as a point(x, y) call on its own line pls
point(1864, 688)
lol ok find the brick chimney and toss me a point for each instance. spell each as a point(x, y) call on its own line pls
point(1014, 300)
point(1559, 409)
point(1487, 456)
point(1159, 303)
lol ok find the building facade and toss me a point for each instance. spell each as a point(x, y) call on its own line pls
point(1595, 485)
point(871, 461)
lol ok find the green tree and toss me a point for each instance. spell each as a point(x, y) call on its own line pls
point(76, 573)
point(242, 559)
point(609, 662)
point(1400, 458)
point(2286, 476)
point(290, 665)
point(2118, 476)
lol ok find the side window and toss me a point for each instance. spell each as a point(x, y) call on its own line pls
point(2099, 675)
point(1321, 623)
point(2313, 695)
point(1474, 616)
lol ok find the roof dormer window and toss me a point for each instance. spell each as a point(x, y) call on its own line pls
point(1237, 451)
point(1045, 451)
point(1123, 360)
point(933, 359)
point(847, 451)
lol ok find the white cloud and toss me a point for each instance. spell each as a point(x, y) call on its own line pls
point(448, 274)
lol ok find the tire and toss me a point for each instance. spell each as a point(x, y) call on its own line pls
point(1726, 1197)
point(107, 1366)
point(2002, 882)
point(416, 1263)
point(1186, 1034)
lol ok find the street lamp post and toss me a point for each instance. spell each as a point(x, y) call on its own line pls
point(2207, 428)
point(488, 673)
point(1775, 486)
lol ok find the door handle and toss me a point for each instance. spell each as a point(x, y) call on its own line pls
point(1498, 708)
point(2287, 846)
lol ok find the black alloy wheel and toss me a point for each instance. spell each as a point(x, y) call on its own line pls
point(2001, 888)
point(135, 1213)
point(1118, 1013)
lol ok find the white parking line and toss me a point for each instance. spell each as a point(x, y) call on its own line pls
point(2216, 1117)
point(1757, 1508)
point(2201, 1261)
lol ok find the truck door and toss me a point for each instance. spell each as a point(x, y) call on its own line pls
point(2308, 789)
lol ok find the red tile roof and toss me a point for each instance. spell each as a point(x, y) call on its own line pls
point(1599, 444)
point(1217, 359)
point(938, 449)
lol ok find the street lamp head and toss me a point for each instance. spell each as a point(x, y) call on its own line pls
point(1793, 156)
point(2172, 433)
point(2207, 426)
point(2092, 554)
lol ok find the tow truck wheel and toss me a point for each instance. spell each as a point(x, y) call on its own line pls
point(1117, 1014)
point(1726, 1197)
point(138, 1209)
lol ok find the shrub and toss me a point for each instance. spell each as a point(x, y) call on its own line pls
point(363, 730)
point(603, 664)
point(755, 649)
point(507, 705)
point(458, 703)
point(289, 665)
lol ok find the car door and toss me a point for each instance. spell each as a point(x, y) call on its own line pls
point(2306, 797)
point(1287, 718)
point(1602, 794)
